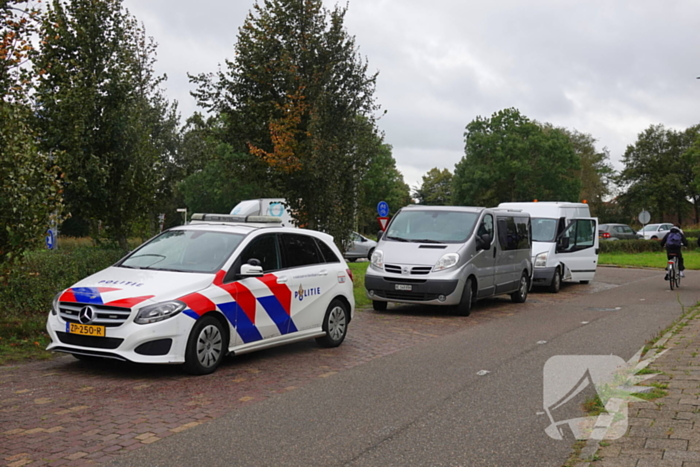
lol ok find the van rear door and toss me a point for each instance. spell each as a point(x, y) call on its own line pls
point(578, 247)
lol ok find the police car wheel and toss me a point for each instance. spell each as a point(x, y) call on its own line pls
point(335, 324)
point(206, 346)
point(465, 304)
point(521, 295)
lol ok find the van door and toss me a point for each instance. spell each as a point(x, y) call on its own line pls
point(578, 247)
point(485, 260)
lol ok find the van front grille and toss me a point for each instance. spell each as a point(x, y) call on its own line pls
point(415, 270)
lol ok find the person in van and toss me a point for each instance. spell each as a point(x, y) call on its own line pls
point(673, 241)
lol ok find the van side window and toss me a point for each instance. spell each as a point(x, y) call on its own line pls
point(579, 235)
point(514, 233)
point(299, 250)
point(486, 226)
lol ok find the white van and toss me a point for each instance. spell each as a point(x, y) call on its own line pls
point(451, 256)
point(275, 207)
point(564, 242)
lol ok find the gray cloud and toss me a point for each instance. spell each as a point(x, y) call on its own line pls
point(606, 68)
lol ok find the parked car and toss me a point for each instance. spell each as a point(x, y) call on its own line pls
point(196, 293)
point(655, 231)
point(613, 232)
point(360, 247)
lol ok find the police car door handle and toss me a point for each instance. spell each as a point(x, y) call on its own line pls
point(282, 280)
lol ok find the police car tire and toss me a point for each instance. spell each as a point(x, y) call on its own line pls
point(209, 333)
point(335, 324)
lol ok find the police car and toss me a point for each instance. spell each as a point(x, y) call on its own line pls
point(193, 294)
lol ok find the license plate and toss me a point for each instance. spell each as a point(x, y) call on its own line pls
point(405, 287)
point(86, 329)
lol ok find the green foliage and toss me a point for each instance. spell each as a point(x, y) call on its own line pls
point(102, 114)
point(596, 172)
point(436, 189)
point(299, 98)
point(660, 173)
point(508, 157)
point(630, 246)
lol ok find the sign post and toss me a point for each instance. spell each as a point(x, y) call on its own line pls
point(383, 211)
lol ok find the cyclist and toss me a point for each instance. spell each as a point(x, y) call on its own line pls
point(673, 241)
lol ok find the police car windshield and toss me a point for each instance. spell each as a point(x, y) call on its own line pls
point(544, 230)
point(184, 251)
point(432, 226)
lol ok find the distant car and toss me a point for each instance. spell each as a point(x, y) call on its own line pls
point(360, 247)
point(655, 231)
point(617, 232)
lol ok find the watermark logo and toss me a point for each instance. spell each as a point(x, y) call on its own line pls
point(570, 380)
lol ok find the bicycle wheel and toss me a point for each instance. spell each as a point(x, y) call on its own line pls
point(678, 274)
point(672, 274)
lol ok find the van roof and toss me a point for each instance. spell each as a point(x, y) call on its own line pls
point(422, 207)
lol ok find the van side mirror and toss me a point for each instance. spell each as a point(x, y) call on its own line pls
point(483, 242)
point(563, 243)
point(379, 235)
point(251, 269)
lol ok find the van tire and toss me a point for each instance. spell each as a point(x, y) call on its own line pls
point(556, 281)
point(379, 306)
point(585, 282)
point(465, 303)
point(521, 295)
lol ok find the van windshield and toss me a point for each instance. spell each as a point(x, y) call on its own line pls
point(432, 226)
point(184, 251)
point(544, 230)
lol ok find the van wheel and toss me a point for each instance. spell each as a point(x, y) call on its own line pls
point(206, 347)
point(585, 282)
point(556, 282)
point(335, 324)
point(521, 295)
point(379, 306)
point(465, 304)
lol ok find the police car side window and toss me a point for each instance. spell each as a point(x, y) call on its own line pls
point(264, 249)
point(328, 254)
point(299, 250)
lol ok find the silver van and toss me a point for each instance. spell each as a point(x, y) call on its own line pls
point(451, 256)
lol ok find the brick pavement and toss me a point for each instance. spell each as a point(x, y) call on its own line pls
point(66, 412)
point(664, 432)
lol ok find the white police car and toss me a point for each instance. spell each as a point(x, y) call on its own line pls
point(198, 292)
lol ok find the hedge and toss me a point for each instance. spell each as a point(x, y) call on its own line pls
point(638, 246)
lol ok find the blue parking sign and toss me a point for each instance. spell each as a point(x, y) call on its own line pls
point(50, 239)
point(383, 209)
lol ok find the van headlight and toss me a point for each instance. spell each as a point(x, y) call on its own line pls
point(159, 312)
point(377, 260)
point(541, 260)
point(446, 262)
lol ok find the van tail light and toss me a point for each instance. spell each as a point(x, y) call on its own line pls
point(352, 279)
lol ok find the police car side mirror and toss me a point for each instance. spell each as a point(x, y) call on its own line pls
point(251, 269)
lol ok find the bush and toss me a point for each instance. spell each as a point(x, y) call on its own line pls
point(28, 287)
point(638, 246)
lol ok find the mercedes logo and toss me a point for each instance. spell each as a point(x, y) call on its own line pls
point(86, 315)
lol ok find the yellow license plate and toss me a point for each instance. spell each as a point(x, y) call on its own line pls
point(86, 329)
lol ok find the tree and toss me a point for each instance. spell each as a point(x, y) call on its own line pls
point(658, 173)
point(436, 189)
point(30, 190)
point(508, 157)
point(298, 97)
point(101, 112)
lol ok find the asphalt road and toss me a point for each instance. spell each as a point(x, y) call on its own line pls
point(428, 404)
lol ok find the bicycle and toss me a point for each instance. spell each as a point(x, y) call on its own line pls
point(674, 276)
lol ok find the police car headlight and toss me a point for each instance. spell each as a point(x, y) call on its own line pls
point(446, 262)
point(541, 260)
point(159, 312)
point(54, 305)
point(377, 261)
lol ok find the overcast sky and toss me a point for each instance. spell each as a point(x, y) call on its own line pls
point(609, 68)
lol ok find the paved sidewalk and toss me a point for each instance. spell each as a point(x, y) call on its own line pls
point(664, 432)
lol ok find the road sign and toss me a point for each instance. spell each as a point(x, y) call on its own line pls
point(50, 239)
point(383, 221)
point(644, 217)
point(383, 209)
